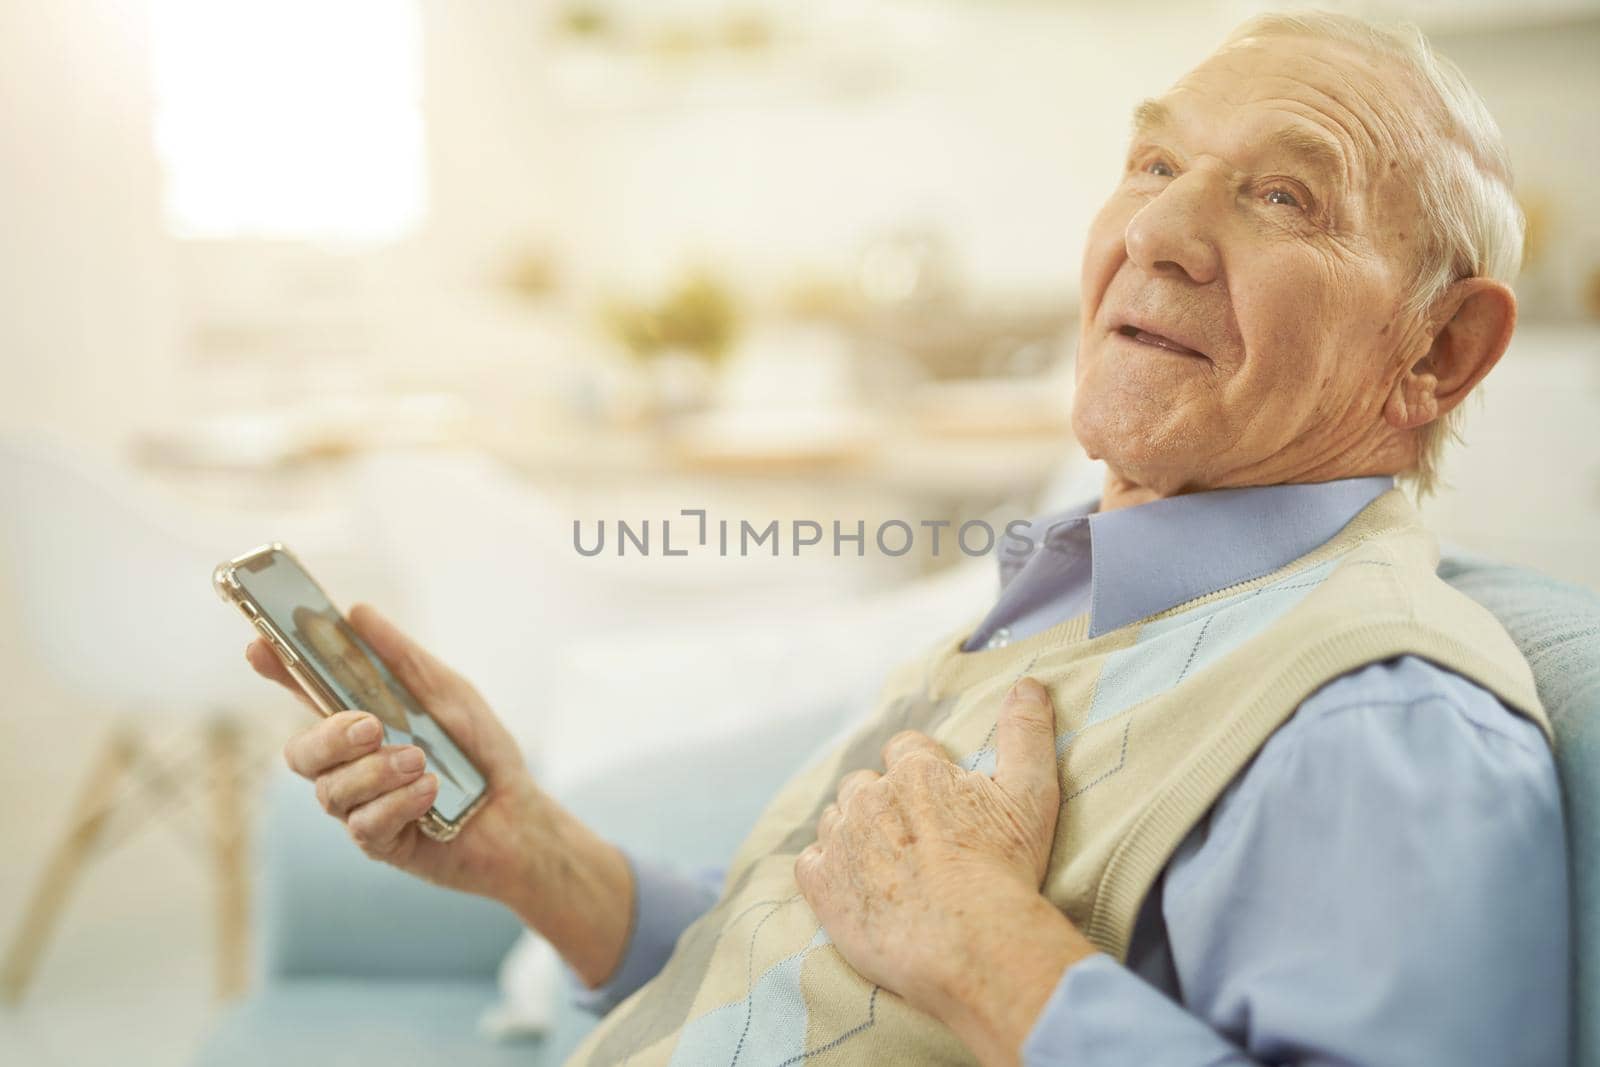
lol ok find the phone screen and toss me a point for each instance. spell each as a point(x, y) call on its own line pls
point(338, 656)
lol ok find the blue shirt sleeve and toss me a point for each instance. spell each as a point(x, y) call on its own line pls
point(1386, 883)
point(665, 902)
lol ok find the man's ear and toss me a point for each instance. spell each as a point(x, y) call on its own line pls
point(1473, 323)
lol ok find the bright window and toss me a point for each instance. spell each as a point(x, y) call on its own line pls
point(295, 119)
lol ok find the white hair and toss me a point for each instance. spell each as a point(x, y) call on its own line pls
point(1472, 226)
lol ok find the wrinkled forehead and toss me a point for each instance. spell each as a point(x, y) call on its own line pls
point(1362, 102)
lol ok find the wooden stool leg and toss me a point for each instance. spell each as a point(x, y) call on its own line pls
point(66, 863)
point(230, 849)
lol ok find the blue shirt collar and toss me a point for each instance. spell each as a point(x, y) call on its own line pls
point(1151, 557)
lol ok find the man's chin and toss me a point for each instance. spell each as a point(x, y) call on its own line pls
point(1148, 452)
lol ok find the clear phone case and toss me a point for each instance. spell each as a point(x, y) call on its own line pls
point(229, 587)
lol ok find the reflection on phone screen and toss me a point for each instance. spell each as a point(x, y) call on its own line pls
point(348, 667)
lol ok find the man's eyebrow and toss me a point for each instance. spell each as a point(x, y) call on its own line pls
point(1317, 152)
point(1150, 116)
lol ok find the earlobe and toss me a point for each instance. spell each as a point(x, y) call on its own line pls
point(1414, 400)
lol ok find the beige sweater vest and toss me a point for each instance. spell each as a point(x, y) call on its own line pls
point(1153, 721)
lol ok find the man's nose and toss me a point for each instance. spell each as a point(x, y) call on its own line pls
point(1171, 236)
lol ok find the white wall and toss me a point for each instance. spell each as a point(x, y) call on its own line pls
point(1002, 127)
point(87, 307)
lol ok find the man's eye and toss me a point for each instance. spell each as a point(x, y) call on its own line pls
point(1159, 168)
point(1282, 196)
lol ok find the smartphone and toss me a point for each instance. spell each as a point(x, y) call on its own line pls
point(341, 672)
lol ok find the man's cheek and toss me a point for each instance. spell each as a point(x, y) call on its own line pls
point(1104, 250)
point(1084, 396)
point(1080, 367)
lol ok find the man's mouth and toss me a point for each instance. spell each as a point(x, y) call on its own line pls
point(1157, 340)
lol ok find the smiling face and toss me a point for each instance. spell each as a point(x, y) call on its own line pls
point(1243, 286)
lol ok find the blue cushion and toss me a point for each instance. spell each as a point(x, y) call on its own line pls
point(361, 1022)
point(1557, 627)
point(694, 804)
point(325, 910)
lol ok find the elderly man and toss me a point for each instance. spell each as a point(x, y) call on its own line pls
point(1226, 775)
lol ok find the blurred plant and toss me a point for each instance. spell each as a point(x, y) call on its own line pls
point(584, 18)
point(672, 36)
point(748, 31)
point(699, 315)
point(533, 275)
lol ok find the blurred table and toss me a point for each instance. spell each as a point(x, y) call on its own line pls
point(952, 453)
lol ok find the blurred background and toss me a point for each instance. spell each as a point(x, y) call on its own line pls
point(413, 285)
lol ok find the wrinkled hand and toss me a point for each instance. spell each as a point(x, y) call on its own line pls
point(379, 791)
point(922, 874)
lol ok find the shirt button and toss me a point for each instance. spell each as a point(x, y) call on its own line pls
point(999, 639)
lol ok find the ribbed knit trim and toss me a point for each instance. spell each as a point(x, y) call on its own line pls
point(951, 668)
point(1155, 835)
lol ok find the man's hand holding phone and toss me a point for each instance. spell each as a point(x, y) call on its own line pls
point(521, 848)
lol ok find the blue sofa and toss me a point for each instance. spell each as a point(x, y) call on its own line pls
point(360, 965)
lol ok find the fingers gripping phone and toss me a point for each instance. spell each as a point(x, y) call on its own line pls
point(340, 672)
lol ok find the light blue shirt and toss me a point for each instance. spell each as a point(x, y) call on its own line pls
point(1385, 883)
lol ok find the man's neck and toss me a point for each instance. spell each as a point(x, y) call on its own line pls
point(1120, 493)
point(1123, 492)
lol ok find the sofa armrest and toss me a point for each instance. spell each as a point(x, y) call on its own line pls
point(1557, 627)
